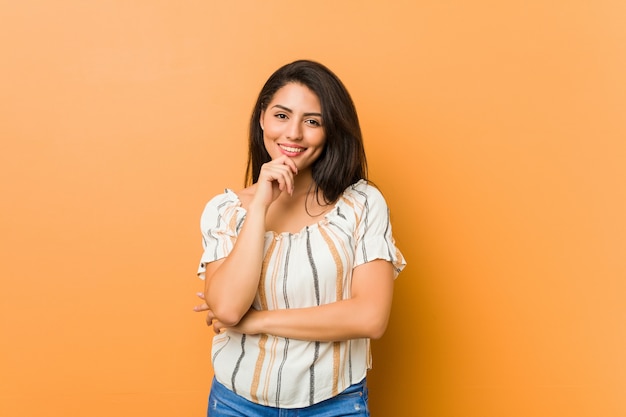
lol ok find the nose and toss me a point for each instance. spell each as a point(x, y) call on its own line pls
point(294, 130)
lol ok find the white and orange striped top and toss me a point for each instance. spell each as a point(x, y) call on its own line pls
point(302, 269)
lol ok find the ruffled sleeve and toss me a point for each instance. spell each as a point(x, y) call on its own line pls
point(220, 223)
point(374, 238)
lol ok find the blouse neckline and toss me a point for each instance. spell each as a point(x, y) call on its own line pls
point(322, 222)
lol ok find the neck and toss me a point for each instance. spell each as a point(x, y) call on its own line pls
point(303, 183)
point(303, 191)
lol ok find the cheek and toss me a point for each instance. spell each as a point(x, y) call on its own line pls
point(271, 131)
point(321, 141)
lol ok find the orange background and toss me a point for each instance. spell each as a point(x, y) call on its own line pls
point(495, 129)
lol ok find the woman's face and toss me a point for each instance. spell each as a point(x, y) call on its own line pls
point(292, 125)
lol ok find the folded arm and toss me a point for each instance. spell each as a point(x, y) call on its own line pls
point(231, 283)
point(364, 315)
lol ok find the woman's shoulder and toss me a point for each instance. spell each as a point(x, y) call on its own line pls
point(361, 198)
point(221, 202)
point(225, 196)
point(230, 198)
point(363, 190)
point(221, 210)
point(245, 195)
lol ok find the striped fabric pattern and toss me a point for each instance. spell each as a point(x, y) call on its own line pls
point(304, 269)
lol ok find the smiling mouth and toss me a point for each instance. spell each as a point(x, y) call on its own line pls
point(291, 149)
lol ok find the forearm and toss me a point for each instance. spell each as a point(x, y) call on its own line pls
point(342, 320)
point(230, 288)
point(364, 314)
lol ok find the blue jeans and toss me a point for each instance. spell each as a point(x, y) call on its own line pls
point(351, 402)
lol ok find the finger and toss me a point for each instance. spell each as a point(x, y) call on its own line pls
point(201, 307)
point(218, 327)
point(292, 170)
point(285, 182)
point(291, 164)
point(209, 318)
point(281, 174)
point(284, 176)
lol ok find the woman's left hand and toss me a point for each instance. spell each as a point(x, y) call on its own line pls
point(249, 323)
point(205, 307)
point(245, 325)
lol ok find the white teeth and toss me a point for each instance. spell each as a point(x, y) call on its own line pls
point(290, 149)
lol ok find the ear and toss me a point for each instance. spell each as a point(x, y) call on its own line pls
point(261, 119)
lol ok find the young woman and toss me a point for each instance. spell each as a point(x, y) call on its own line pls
point(299, 265)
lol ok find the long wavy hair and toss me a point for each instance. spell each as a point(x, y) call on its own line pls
point(342, 161)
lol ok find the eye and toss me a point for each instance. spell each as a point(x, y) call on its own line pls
point(280, 115)
point(313, 122)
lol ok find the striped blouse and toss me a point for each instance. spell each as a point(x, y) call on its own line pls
point(302, 269)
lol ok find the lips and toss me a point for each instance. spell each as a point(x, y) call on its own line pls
point(292, 149)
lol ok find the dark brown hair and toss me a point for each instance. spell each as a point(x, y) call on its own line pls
point(342, 161)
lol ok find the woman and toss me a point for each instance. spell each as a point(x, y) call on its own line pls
point(299, 266)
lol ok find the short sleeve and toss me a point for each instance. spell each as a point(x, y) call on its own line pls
point(374, 238)
point(220, 223)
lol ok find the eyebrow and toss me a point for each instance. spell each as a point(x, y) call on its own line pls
point(287, 109)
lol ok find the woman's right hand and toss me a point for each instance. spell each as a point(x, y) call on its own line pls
point(275, 177)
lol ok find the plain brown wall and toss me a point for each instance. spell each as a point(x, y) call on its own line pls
point(495, 129)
